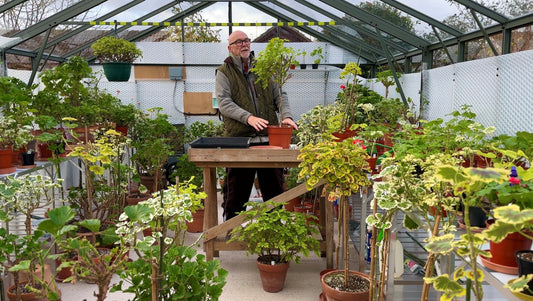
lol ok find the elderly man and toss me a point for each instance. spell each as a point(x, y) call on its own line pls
point(248, 109)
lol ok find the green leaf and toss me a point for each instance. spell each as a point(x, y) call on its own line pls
point(138, 212)
point(441, 244)
point(512, 215)
point(518, 285)
point(499, 230)
point(92, 224)
point(24, 265)
point(443, 283)
point(61, 215)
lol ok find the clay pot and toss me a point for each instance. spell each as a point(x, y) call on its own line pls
point(134, 198)
point(332, 294)
point(197, 224)
point(273, 276)
point(503, 253)
point(292, 203)
point(29, 296)
point(279, 135)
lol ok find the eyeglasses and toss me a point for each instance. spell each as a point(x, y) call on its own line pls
point(240, 42)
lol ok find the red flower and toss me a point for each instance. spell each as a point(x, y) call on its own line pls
point(514, 181)
point(343, 87)
point(359, 142)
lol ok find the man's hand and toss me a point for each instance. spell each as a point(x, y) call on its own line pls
point(289, 121)
point(257, 123)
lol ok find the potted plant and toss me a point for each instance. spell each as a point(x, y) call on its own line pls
point(23, 195)
point(303, 65)
point(12, 136)
point(15, 102)
point(166, 268)
point(102, 194)
point(343, 167)
point(315, 125)
point(123, 116)
point(117, 56)
point(386, 78)
point(273, 64)
point(512, 219)
point(512, 188)
point(318, 56)
point(277, 236)
point(94, 265)
point(76, 100)
point(353, 109)
point(151, 139)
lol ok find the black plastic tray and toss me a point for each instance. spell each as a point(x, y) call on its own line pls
point(222, 142)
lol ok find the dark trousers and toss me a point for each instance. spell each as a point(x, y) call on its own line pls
point(238, 186)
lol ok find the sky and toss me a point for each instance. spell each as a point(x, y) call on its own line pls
point(242, 12)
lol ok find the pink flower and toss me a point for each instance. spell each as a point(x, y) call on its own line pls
point(514, 181)
point(343, 87)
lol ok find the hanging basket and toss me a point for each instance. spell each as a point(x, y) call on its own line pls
point(117, 71)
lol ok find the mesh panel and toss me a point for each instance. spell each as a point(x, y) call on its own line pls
point(498, 88)
point(478, 85)
point(515, 105)
point(438, 88)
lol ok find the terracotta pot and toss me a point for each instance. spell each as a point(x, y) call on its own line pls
point(134, 198)
point(5, 157)
point(503, 253)
point(123, 130)
point(197, 224)
point(44, 153)
point(15, 157)
point(11, 294)
point(65, 272)
point(347, 133)
point(333, 294)
point(24, 276)
point(292, 203)
point(433, 211)
point(322, 273)
point(372, 162)
point(5, 161)
point(150, 184)
point(301, 208)
point(279, 135)
point(83, 134)
point(273, 276)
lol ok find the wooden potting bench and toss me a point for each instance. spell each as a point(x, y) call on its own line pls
point(211, 158)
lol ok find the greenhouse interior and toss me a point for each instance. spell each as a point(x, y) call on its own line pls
point(138, 158)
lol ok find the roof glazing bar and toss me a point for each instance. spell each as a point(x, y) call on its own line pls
point(57, 19)
point(485, 35)
point(378, 23)
point(352, 25)
point(86, 26)
point(483, 10)
point(423, 17)
point(10, 4)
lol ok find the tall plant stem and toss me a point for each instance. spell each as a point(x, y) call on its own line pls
point(430, 261)
point(345, 217)
point(373, 261)
point(478, 290)
point(384, 264)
